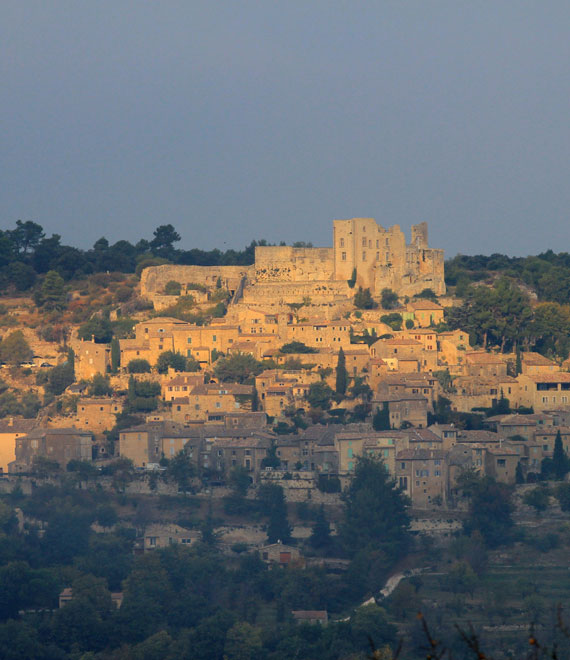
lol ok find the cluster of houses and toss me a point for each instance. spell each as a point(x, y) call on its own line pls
point(221, 425)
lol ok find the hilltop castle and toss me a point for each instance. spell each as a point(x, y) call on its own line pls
point(380, 258)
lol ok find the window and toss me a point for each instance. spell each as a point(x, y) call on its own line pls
point(364, 256)
point(348, 453)
point(351, 465)
point(214, 338)
point(501, 462)
point(152, 541)
point(343, 256)
point(189, 340)
point(363, 242)
point(342, 242)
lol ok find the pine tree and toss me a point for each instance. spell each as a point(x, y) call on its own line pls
point(560, 463)
point(341, 373)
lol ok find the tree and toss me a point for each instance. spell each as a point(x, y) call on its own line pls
point(321, 535)
point(171, 359)
point(181, 469)
point(341, 373)
point(539, 498)
point(97, 329)
point(15, 349)
point(490, 511)
point(115, 355)
point(297, 347)
point(51, 294)
point(60, 378)
point(239, 481)
point(352, 280)
point(560, 462)
point(375, 512)
point(381, 419)
point(563, 496)
point(172, 288)
point(272, 500)
point(100, 386)
point(319, 395)
point(363, 299)
point(394, 320)
point(243, 642)
point(138, 367)
point(237, 368)
point(271, 460)
point(389, 299)
point(162, 243)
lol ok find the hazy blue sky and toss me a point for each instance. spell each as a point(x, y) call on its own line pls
point(239, 120)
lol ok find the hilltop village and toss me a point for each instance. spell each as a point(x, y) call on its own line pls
point(319, 356)
point(233, 455)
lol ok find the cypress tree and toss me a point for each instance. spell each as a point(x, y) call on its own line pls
point(560, 465)
point(115, 355)
point(341, 373)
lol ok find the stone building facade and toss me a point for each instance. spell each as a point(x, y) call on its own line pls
point(381, 258)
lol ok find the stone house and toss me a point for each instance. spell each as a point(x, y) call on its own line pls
point(424, 313)
point(143, 444)
point(180, 385)
point(484, 365)
point(11, 429)
point(545, 391)
point(312, 617)
point(90, 359)
point(405, 409)
point(535, 363)
point(60, 445)
point(423, 475)
point(98, 414)
point(212, 398)
point(501, 463)
point(281, 554)
point(163, 535)
point(223, 451)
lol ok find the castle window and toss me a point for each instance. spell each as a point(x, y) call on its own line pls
point(343, 256)
point(378, 256)
point(363, 242)
point(364, 256)
point(377, 243)
point(387, 256)
point(342, 242)
point(189, 340)
point(387, 242)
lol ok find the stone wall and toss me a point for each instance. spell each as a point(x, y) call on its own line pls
point(155, 278)
point(289, 264)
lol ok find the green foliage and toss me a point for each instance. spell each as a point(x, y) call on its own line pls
point(560, 461)
point(490, 511)
point(51, 294)
point(381, 419)
point(389, 299)
point(297, 347)
point(138, 367)
point(239, 481)
point(563, 495)
point(271, 460)
point(328, 484)
point(428, 294)
point(237, 368)
point(60, 378)
point(172, 288)
point(352, 280)
point(98, 329)
point(115, 355)
point(142, 395)
point(272, 504)
point(363, 299)
point(341, 373)
point(409, 324)
point(375, 512)
point(100, 386)
point(171, 359)
point(181, 469)
point(321, 534)
point(538, 497)
point(15, 349)
point(394, 320)
point(320, 395)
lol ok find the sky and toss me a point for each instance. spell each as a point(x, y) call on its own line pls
point(236, 121)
